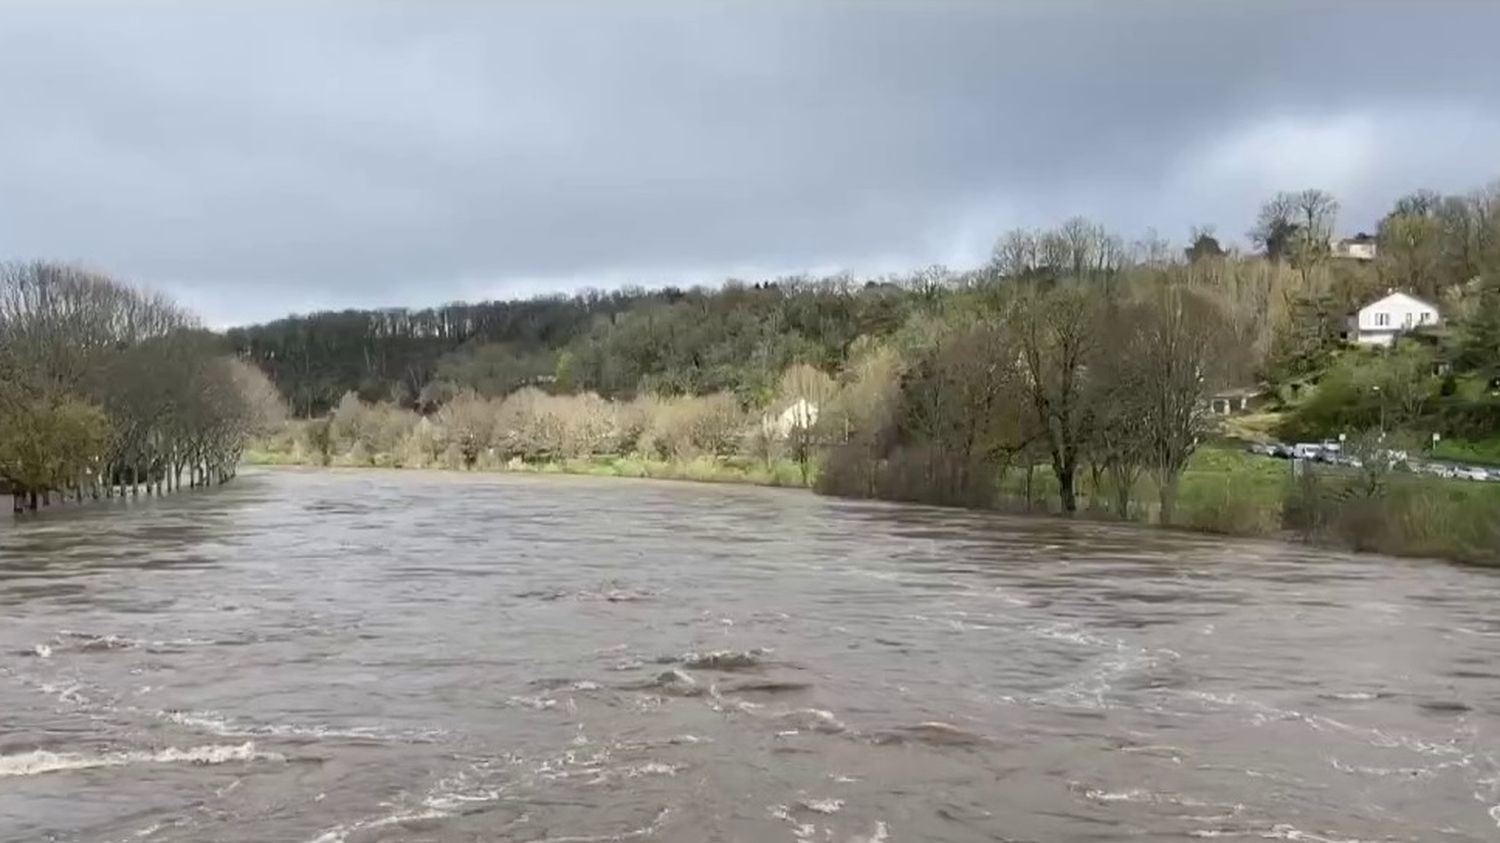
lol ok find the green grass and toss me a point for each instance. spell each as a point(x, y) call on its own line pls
point(1224, 489)
point(1479, 452)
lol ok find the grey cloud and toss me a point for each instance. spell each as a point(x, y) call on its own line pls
point(258, 160)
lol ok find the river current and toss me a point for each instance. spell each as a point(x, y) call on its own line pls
point(366, 656)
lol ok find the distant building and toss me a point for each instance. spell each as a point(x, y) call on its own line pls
point(1380, 321)
point(801, 415)
point(1360, 247)
point(1228, 402)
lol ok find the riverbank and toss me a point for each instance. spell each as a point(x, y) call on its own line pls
point(1224, 491)
point(778, 473)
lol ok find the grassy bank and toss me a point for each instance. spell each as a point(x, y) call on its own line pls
point(1476, 451)
point(698, 469)
point(1223, 491)
point(1229, 492)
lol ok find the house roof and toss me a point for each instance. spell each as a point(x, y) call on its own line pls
point(1397, 294)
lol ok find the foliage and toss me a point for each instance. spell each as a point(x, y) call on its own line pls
point(104, 387)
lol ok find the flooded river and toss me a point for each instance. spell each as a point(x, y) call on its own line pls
point(359, 656)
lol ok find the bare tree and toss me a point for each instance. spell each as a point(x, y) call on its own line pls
point(1174, 356)
point(1016, 254)
point(962, 405)
point(1317, 213)
point(470, 422)
point(1056, 337)
point(1276, 227)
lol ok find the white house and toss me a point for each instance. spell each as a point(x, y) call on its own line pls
point(801, 415)
point(1360, 247)
point(1378, 322)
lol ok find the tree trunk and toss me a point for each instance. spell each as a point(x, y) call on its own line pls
point(31, 502)
point(1122, 497)
point(17, 502)
point(1169, 497)
point(1067, 495)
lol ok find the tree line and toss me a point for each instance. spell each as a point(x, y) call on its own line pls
point(109, 390)
point(1286, 301)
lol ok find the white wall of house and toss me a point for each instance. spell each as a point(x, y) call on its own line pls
point(1363, 250)
point(800, 415)
point(1378, 322)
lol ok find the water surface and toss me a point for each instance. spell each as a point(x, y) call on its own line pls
point(327, 656)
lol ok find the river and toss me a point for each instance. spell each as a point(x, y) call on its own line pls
point(359, 656)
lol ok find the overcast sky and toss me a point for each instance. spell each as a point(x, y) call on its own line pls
point(287, 157)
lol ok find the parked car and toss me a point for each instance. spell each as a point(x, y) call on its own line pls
point(1471, 473)
point(1307, 450)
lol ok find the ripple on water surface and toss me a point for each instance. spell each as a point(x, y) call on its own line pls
point(353, 656)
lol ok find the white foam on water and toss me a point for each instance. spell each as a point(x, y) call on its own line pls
point(1133, 795)
point(800, 831)
point(42, 761)
point(652, 768)
point(1262, 714)
point(1402, 772)
point(42, 651)
point(339, 834)
point(1286, 831)
point(645, 831)
point(1073, 635)
point(1280, 831)
point(823, 806)
point(218, 724)
point(70, 693)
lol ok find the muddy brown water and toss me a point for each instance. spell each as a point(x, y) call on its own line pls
point(359, 656)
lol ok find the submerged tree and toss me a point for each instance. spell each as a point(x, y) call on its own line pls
point(107, 388)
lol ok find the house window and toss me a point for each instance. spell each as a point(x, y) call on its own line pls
point(1408, 320)
point(1423, 318)
point(1382, 320)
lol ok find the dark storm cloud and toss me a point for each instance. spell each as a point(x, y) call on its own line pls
point(254, 161)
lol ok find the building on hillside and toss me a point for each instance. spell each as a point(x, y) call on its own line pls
point(1380, 321)
point(799, 415)
point(1360, 247)
point(1228, 402)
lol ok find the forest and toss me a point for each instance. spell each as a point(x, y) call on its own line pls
point(109, 391)
point(1286, 300)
